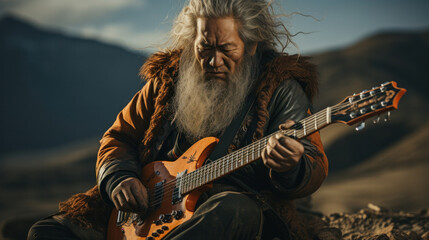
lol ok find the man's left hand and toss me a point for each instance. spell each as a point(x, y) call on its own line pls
point(282, 153)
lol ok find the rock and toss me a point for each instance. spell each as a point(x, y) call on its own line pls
point(374, 223)
point(330, 234)
point(425, 236)
point(377, 208)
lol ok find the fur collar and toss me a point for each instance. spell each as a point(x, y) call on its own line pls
point(276, 67)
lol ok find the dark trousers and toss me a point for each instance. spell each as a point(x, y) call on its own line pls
point(51, 229)
point(225, 215)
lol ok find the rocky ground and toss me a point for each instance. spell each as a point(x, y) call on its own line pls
point(372, 223)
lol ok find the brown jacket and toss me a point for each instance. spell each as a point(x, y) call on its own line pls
point(133, 138)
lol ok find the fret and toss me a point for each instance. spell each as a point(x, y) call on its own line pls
point(206, 176)
point(328, 115)
point(305, 133)
point(253, 151)
point(250, 153)
point(315, 122)
point(191, 175)
point(184, 184)
point(189, 182)
point(218, 170)
point(224, 165)
point(197, 180)
point(194, 183)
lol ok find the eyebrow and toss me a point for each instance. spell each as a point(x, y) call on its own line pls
point(205, 43)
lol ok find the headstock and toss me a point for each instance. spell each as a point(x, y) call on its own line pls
point(368, 103)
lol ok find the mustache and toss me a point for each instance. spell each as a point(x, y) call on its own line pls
point(204, 108)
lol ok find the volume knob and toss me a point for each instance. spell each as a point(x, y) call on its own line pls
point(177, 214)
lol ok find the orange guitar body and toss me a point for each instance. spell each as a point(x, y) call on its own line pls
point(160, 171)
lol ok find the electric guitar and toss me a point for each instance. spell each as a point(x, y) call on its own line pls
point(174, 187)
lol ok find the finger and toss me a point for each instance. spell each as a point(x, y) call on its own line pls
point(277, 166)
point(286, 125)
point(140, 194)
point(116, 203)
point(280, 145)
point(273, 141)
point(273, 154)
point(291, 146)
point(264, 155)
point(123, 204)
point(129, 198)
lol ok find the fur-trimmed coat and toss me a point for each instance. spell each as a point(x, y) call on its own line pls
point(133, 136)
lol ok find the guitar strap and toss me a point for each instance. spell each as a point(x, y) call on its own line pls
point(229, 133)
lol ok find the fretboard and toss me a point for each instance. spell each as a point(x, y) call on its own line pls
point(250, 153)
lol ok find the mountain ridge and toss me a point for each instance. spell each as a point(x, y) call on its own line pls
point(57, 88)
point(74, 88)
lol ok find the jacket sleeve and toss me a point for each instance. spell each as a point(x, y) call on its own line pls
point(118, 156)
point(290, 102)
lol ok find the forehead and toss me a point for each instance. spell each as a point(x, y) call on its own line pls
point(217, 30)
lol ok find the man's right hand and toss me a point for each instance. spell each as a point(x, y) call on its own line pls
point(130, 196)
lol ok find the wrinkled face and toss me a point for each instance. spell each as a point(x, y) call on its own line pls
point(218, 47)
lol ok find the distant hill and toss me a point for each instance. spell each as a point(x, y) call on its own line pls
point(56, 89)
point(400, 57)
point(59, 93)
point(396, 177)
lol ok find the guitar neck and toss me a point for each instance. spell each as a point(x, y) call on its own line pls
point(250, 153)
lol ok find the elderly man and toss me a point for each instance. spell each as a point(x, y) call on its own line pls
point(223, 63)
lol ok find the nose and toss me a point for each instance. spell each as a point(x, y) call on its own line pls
point(216, 59)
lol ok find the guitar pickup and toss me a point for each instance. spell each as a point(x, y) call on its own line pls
point(177, 195)
point(158, 194)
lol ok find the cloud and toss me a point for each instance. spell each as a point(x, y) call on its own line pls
point(66, 12)
point(125, 34)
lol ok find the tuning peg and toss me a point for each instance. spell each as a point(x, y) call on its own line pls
point(363, 94)
point(387, 118)
point(383, 86)
point(361, 126)
point(377, 120)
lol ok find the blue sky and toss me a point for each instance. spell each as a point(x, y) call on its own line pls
point(138, 24)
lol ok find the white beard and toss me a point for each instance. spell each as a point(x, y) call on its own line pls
point(206, 107)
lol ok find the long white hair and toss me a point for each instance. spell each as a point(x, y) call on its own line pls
point(257, 20)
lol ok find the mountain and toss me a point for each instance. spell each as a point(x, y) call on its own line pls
point(59, 93)
point(396, 177)
point(395, 56)
point(57, 89)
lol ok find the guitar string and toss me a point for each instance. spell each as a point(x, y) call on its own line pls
point(219, 164)
point(222, 162)
point(227, 160)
